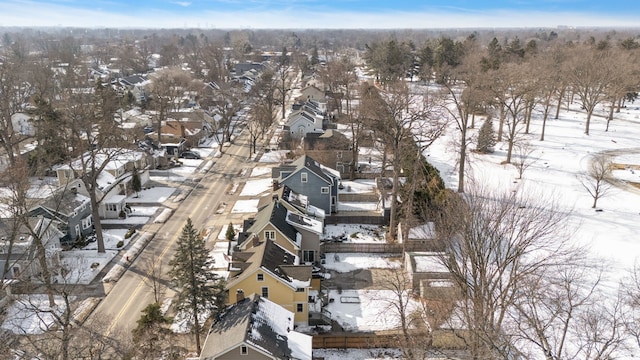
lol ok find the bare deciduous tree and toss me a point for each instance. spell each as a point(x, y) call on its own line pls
point(398, 118)
point(590, 76)
point(523, 160)
point(493, 242)
point(167, 88)
point(597, 177)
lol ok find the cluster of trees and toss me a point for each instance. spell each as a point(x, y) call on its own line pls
point(525, 288)
point(77, 123)
point(508, 81)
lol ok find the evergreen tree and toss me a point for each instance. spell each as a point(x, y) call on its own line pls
point(199, 289)
point(230, 232)
point(136, 184)
point(486, 137)
point(151, 330)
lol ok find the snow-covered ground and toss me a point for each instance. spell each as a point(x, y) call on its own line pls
point(358, 354)
point(356, 233)
point(347, 262)
point(367, 310)
point(84, 264)
point(245, 206)
point(256, 187)
point(557, 163)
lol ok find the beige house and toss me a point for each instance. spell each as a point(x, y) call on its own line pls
point(274, 273)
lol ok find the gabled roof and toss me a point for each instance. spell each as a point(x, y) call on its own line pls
point(62, 204)
point(301, 114)
point(274, 259)
point(134, 80)
point(305, 162)
point(275, 214)
point(261, 324)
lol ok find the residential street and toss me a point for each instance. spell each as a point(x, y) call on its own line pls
point(127, 297)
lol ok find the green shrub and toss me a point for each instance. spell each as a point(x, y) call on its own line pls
point(130, 233)
point(120, 244)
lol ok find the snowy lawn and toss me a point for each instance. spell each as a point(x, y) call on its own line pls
point(84, 265)
point(372, 311)
point(358, 186)
point(274, 156)
point(143, 211)
point(31, 314)
point(358, 354)
point(346, 262)
point(111, 238)
point(357, 233)
point(153, 195)
point(245, 206)
point(256, 187)
point(260, 171)
point(222, 235)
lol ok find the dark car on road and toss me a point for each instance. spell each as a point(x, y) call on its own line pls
point(190, 155)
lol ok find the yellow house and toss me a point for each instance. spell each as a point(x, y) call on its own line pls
point(271, 271)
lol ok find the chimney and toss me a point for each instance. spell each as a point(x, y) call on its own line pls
point(239, 295)
point(256, 240)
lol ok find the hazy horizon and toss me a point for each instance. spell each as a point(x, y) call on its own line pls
point(316, 14)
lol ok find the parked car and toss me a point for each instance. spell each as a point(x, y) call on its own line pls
point(190, 155)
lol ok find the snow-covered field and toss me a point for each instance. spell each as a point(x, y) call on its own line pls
point(557, 163)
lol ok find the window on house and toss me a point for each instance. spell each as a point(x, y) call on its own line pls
point(270, 235)
point(324, 190)
point(308, 256)
point(244, 350)
point(16, 271)
point(299, 308)
point(265, 292)
point(77, 228)
point(111, 207)
point(333, 200)
point(260, 277)
point(86, 223)
point(304, 177)
point(299, 289)
point(339, 154)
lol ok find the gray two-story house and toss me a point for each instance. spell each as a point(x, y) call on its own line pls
point(310, 178)
point(283, 224)
point(19, 257)
point(69, 208)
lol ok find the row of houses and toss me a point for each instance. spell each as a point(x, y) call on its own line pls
point(276, 263)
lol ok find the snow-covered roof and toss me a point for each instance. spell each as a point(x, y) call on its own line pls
point(304, 222)
point(261, 324)
point(428, 262)
point(424, 231)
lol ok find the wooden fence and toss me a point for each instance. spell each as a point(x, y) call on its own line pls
point(385, 339)
point(376, 248)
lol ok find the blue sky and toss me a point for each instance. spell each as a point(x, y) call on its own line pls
point(298, 14)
